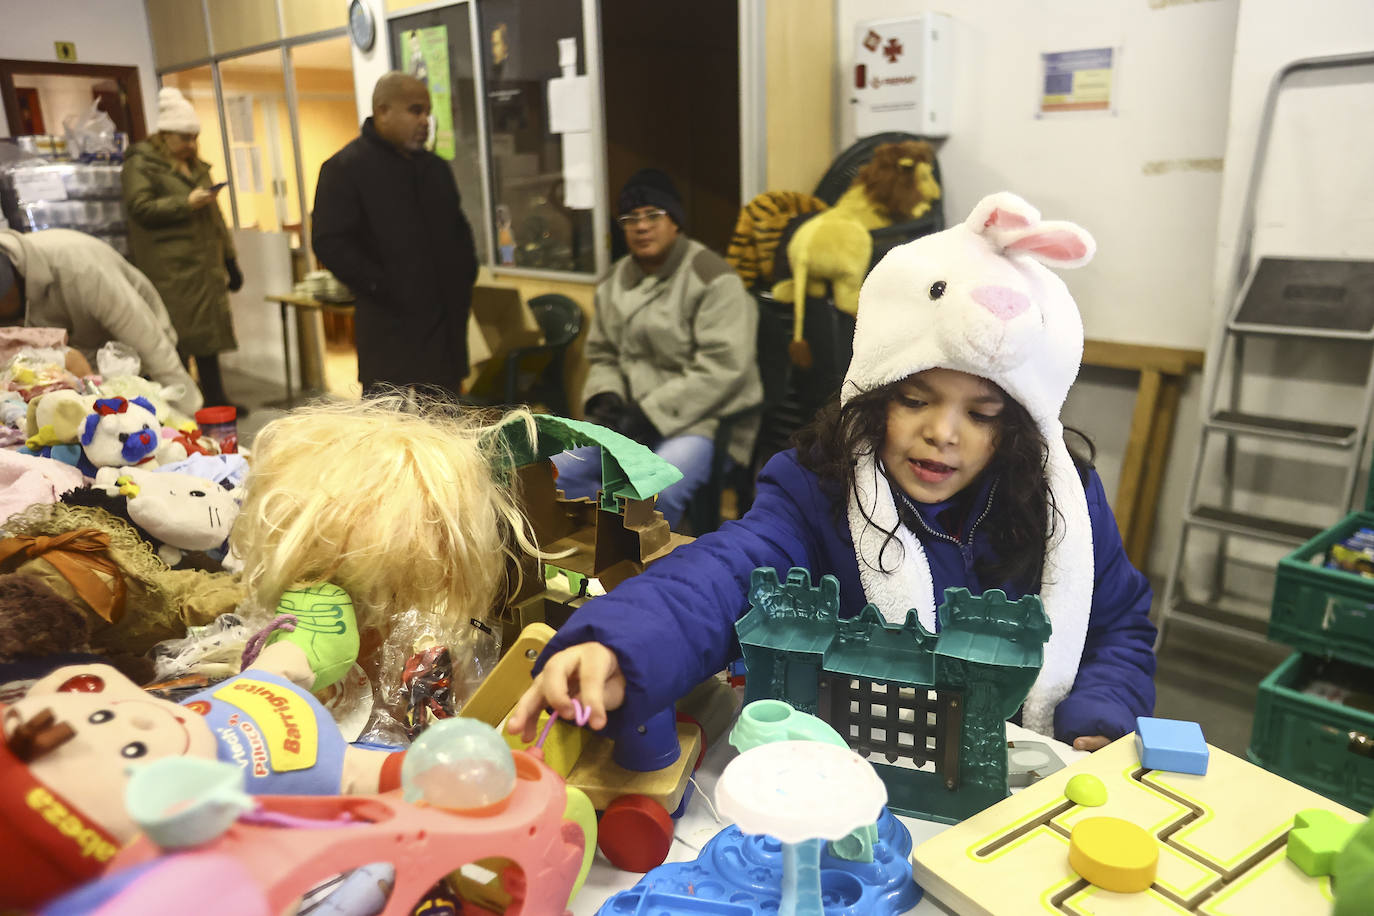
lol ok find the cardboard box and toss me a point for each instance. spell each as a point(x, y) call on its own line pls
point(498, 322)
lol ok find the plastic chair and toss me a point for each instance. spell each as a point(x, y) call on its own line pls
point(703, 509)
point(531, 374)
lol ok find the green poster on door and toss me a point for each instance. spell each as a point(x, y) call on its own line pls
point(425, 52)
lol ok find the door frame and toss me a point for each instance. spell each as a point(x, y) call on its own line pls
point(127, 76)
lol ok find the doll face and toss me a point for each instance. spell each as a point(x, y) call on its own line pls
point(117, 726)
point(942, 430)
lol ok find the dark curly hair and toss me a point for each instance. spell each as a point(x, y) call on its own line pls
point(1020, 515)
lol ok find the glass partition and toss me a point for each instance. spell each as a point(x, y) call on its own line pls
point(541, 161)
point(437, 46)
point(326, 106)
point(260, 144)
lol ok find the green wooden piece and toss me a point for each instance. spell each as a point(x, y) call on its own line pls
point(1087, 790)
point(982, 664)
point(1317, 836)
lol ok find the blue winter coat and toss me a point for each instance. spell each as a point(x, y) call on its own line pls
point(674, 625)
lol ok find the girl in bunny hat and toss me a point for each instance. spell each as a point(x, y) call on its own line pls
point(943, 464)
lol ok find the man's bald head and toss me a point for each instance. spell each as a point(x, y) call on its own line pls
point(400, 111)
point(393, 86)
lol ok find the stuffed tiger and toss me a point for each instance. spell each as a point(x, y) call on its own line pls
point(759, 229)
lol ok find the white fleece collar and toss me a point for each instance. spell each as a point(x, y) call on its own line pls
point(1002, 315)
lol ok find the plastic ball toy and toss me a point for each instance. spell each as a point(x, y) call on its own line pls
point(458, 765)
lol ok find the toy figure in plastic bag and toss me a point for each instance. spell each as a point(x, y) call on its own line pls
point(405, 508)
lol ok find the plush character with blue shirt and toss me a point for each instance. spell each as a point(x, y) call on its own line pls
point(943, 464)
point(69, 742)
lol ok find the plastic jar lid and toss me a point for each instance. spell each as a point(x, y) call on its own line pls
point(208, 415)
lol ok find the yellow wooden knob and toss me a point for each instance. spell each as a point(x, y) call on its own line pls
point(1113, 854)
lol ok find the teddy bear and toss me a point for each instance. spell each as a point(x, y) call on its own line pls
point(120, 432)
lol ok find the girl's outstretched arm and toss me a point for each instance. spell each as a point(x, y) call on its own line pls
point(1115, 680)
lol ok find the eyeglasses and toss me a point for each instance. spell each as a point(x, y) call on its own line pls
point(634, 219)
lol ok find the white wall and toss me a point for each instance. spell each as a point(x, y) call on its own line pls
point(1145, 181)
point(1155, 224)
point(1316, 199)
point(105, 32)
point(369, 67)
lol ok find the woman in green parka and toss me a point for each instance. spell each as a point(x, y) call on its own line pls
point(178, 238)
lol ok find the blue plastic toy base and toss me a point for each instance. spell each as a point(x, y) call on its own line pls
point(1171, 744)
point(741, 875)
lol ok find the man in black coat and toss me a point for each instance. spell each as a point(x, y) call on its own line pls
point(389, 224)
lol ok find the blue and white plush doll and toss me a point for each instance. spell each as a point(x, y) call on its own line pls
point(119, 432)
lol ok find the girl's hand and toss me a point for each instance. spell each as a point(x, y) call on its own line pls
point(199, 197)
point(1090, 743)
point(589, 671)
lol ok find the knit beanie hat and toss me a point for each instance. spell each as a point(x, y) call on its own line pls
point(978, 298)
point(43, 837)
point(174, 114)
point(652, 188)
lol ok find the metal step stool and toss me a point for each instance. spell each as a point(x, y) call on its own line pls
point(1311, 299)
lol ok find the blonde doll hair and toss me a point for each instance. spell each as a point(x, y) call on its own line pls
point(404, 506)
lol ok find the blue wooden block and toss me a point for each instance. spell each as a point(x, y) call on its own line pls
point(1171, 744)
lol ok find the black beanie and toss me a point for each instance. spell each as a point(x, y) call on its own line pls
point(652, 188)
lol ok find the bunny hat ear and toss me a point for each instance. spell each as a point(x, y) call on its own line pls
point(1012, 225)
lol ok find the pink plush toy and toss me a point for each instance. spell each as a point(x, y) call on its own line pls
point(68, 742)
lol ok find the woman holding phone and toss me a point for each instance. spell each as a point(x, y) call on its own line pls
point(179, 239)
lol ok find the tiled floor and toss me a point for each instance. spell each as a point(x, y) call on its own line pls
point(1204, 677)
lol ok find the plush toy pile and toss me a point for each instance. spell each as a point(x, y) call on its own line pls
point(362, 535)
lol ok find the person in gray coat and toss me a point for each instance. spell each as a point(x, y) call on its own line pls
point(58, 278)
point(672, 349)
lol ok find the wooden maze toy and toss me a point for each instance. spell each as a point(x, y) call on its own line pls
point(1221, 838)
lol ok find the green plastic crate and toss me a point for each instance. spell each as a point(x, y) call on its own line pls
point(1325, 611)
point(1311, 740)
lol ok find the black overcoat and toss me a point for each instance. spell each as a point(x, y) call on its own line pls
point(391, 227)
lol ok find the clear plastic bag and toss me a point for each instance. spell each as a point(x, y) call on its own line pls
point(117, 358)
point(473, 652)
point(92, 134)
point(213, 650)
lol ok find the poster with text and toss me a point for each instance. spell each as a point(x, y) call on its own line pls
point(425, 52)
point(1077, 81)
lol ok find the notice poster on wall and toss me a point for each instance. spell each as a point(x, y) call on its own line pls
point(1077, 81)
point(425, 53)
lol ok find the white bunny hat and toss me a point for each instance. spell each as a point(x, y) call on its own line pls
point(1002, 315)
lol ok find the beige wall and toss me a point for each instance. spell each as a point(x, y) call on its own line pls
point(178, 30)
point(800, 47)
point(238, 24)
point(302, 17)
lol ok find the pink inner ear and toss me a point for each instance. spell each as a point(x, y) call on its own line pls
point(1005, 219)
point(1056, 244)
